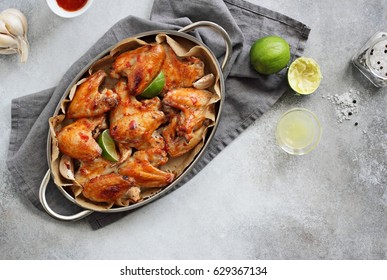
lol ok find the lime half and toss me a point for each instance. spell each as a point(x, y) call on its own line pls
point(154, 87)
point(106, 142)
point(304, 75)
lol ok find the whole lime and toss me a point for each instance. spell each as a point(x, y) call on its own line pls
point(269, 54)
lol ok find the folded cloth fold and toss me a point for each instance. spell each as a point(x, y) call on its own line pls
point(248, 94)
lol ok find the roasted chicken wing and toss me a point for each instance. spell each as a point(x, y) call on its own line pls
point(146, 175)
point(133, 122)
point(180, 72)
point(107, 188)
point(177, 145)
point(88, 101)
point(76, 139)
point(187, 123)
point(143, 165)
point(193, 105)
point(156, 149)
point(91, 169)
point(140, 66)
point(99, 181)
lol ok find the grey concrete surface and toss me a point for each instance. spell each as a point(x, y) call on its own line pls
point(253, 201)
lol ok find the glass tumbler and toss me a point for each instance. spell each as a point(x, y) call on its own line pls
point(298, 131)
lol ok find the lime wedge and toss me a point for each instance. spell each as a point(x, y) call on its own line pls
point(106, 142)
point(304, 75)
point(154, 87)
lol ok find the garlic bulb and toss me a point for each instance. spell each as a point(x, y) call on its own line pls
point(13, 33)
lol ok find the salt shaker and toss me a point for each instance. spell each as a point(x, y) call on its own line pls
point(371, 59)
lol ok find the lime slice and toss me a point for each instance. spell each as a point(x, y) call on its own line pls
point(154, 87)
point(106, 142)
point(304, 75)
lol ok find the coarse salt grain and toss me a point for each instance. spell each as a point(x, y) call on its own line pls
point(346, 104)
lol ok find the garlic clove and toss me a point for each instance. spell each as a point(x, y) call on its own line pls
point(204, 82)
point(3, 28)
point(23, 49)
point(8, 41)
point(12, 23)
point(66, 167)
point(8, 50)
point(21, 17)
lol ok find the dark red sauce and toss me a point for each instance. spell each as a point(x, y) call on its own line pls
point(71, 5)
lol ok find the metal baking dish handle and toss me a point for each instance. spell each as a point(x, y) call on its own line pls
point(43, 201)
point(219, 30)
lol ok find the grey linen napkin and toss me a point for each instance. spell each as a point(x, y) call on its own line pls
point(248, 94)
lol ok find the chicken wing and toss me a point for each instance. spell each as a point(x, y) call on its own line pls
point(91, 169)
point(107, 188)
point(143, 165)
point(88, 101)
point(136, 128)
point(180, 72)
point(146, 175)
point(193, 105)
point(187, 123)
point(178, 145)
point(99, 181)
point(133, 122)
point(76, 139)
point(156, 149)
point(140, 66)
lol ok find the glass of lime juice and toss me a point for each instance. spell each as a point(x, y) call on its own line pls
point(298, 131)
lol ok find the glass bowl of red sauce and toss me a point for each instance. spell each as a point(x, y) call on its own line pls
point(69, 8)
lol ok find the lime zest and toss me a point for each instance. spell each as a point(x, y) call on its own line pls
point(155, 87)
point(106, 142)
point(304, 75)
